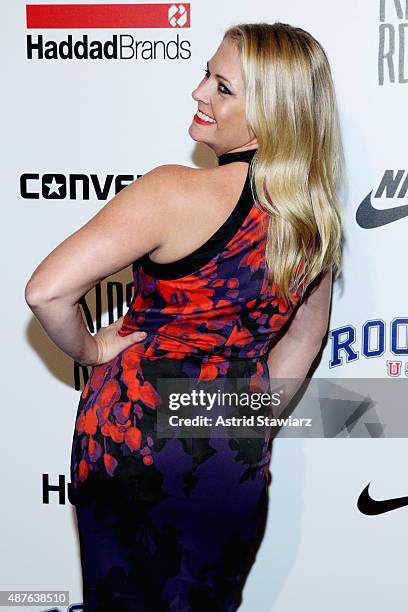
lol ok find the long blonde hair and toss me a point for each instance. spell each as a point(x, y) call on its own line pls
point(299, 165)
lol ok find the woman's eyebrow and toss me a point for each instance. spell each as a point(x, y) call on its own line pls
point(218, 75)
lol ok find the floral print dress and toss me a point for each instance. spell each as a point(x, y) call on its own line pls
point(175, 524)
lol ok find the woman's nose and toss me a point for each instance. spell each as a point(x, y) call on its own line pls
point(199, 94)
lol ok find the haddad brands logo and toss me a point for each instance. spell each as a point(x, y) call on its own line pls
point(113, 16)
point(393, 41)
point(395, 185)
point(53, 186)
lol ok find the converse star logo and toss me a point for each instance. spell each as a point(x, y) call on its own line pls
point(53, 187)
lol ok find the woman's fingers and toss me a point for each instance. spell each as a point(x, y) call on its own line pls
point(119, 321)
point(136, 337)
point(110, 343)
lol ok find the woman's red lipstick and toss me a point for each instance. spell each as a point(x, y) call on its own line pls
point(201, 121)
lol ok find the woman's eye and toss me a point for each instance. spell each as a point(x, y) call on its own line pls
point(224, 89)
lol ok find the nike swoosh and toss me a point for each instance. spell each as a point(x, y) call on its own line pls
point(367, 505)
point(369, 217)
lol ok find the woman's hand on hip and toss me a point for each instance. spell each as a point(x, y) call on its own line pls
point(110, 343)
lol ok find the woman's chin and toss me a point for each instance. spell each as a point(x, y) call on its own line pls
point(193, 133)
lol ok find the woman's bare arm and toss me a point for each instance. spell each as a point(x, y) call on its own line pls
point(292, 356)
point(131, 224)
point(294, 353)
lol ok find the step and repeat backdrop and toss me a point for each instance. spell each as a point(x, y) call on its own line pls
point(95, 95)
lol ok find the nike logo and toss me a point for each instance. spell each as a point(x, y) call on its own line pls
point(369, 217)
point(367, 505)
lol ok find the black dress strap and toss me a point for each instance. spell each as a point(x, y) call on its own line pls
point(227, 158)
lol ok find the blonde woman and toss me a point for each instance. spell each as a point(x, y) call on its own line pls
point(233, 269)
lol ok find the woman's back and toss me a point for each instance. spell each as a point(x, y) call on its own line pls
point(202, 200)
point(211, 300)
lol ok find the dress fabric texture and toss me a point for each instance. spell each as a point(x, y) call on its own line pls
point(175, 524)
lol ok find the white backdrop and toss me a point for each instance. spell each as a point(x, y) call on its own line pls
point(103, 118)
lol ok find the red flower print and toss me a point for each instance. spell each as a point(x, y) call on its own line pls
point(90, 421)
point(83, 470)
point(122, 411)
point(94, 450)
point(133, 438)
point(109, 393)
point(208, 371)
point(110, 463)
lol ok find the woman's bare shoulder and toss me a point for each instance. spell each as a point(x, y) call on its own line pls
point(172, 173)
point(224, 176)
point(181, 184)
point(196, 203)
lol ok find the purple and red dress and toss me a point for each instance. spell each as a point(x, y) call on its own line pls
point(174, 525)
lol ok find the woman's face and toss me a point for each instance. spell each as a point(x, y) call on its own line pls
point(221, 96)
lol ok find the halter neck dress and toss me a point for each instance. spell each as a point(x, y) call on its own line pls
point(175, 524)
